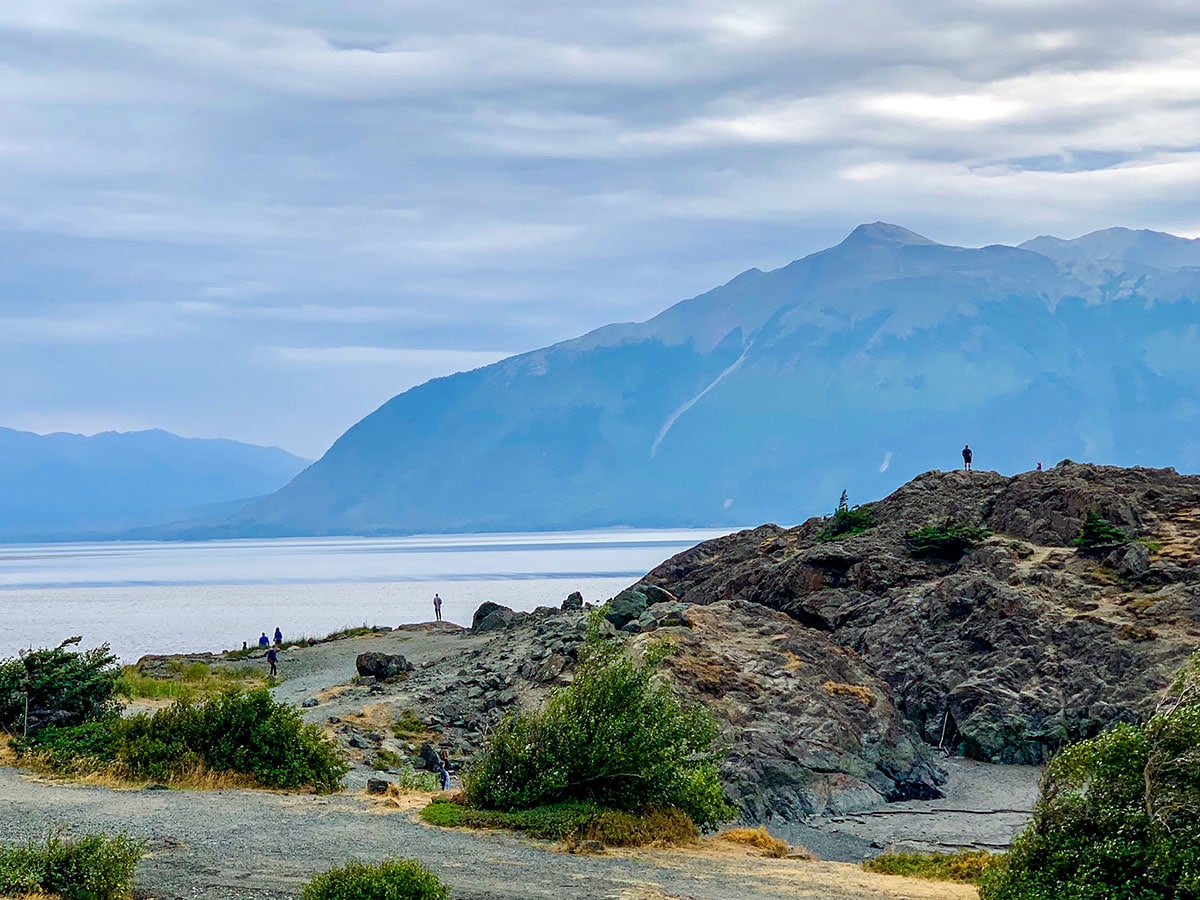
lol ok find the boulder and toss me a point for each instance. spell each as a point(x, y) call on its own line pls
point(377, 786)
point(633, 601)
point(381, 666)
point(495, 621)
point(485, 610)
point(574, 601)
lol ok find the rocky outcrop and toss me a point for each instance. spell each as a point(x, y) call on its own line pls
point(1020, 645)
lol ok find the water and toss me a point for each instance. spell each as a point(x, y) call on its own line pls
point(167, 598)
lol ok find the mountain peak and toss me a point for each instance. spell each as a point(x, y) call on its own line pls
point(885, 233)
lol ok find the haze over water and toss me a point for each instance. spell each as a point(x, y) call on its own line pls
point(168, 598)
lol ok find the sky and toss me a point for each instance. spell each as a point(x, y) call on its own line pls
point(261, 219)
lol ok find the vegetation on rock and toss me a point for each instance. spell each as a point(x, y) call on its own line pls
point(1118, 815)
point(616, 737)
point(57, 686)
point(846, 521)
point(947, 541)
point(1098, 532)
point(392, 879)
point(247, 733)
point(93, 867)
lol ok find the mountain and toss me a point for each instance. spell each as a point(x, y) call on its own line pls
point(60, 486)
point(854, 368)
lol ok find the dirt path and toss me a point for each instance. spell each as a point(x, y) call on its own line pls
point(223, 845)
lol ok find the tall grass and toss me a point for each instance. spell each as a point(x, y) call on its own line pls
point(190, 682)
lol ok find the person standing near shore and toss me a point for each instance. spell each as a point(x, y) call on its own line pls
point(437, 607)
point(264, 641)
point(273, 659)
point(278, 636)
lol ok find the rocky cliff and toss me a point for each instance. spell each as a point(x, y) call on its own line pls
point(1004, 654)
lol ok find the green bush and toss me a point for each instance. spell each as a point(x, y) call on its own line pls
point(1097, 532)
point(94, 867)
point(393, 879)
point(846, 521)
point(1118, 817)
point(242, 732)
point(615, 737)
point(964, 866)
point(63, 687)
point(948, 541)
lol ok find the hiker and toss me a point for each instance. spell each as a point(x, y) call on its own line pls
point(264, 641)
point(1039, 465)
point(273, 659)
point(437, 607)
point(444, 761)
point(278, 637)
point(967, 457)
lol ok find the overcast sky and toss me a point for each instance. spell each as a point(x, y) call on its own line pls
point(260, 219)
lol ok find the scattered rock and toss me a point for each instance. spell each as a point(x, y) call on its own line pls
point(309, 703)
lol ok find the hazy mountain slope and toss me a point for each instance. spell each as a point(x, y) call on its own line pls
point(68, 485)
point(855, 367)
point(1148, 248)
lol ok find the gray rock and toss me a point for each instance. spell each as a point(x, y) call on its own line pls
point(496, 620)
point(574, 601)
point(381, 666)
point(377, 786)
point(485, 610)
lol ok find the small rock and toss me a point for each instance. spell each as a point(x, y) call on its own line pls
point(309, 703)
point(381, 666)
point(591, 847)
point(358, 743)
point(377, 786)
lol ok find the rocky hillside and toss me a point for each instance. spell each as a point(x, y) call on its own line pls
point(1024, 642)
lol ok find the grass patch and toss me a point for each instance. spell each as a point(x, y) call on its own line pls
point(408, 725)
point(187, 682)
point(93, 867)
point(392, 879)
point(963, 866)
point(571, 822)
point(771, 846)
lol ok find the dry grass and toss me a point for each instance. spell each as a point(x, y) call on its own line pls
point(770, 845)
point(116, 776)
point(8, 756)
point(859, 692)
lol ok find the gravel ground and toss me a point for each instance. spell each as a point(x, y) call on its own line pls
point(230, 845)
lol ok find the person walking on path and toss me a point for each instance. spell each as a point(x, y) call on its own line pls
point(273, 659)
point(264, 641)
point(278, 637)
point(437, 607)
point(967, 454)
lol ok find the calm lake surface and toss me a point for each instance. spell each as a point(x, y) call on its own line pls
point(166, 598)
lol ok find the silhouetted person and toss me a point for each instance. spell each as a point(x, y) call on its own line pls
point(278, 637)
point(967, 457)
point(1039, 465)
point(437, 607)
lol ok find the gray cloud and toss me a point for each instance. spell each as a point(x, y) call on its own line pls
point(200, 183)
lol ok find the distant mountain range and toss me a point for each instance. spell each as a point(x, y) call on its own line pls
point(68, 486)
point(856, 367)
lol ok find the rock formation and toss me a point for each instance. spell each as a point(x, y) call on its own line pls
point(1023, 643)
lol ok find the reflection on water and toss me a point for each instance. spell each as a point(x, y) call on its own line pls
point(164, 598)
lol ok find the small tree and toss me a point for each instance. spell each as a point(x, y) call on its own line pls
point(616, 737)
point(1097, 533)
point(846, 521)
point(58, 687)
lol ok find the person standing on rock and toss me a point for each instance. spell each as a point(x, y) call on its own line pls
point(967, 454)
point(278, 636)
point(273, 659)
point(437, 606)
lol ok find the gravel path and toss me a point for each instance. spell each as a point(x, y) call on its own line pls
point(247, 845)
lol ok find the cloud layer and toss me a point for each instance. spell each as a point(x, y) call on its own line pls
point(193, 194)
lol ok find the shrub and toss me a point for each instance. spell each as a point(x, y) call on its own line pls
point(241, 732)
point(1118, 815)
point(846, 521)
point(392, 879)
point(615, 737)
point(965, 866)
point(758, 837)
point(948, 541)
point(1097, 532)
point(94, 867)
point(63, 687)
